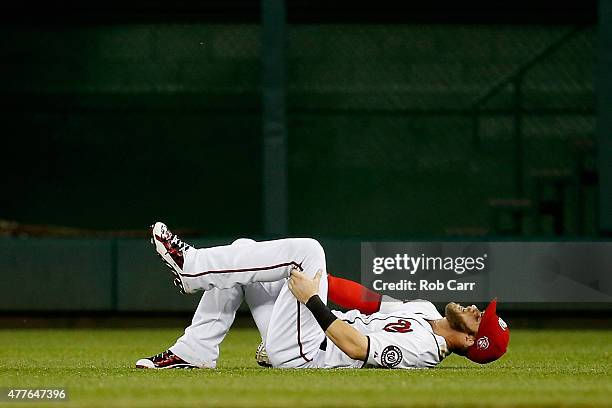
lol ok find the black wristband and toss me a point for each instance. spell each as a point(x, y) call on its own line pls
point(320, 312)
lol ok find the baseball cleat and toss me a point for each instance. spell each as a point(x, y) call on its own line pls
point(162, 361)
point(261, 356)
point(170, 249)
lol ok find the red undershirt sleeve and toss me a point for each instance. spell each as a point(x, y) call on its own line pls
point(352, 295)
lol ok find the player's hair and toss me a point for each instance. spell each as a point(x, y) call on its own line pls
point(455, 321)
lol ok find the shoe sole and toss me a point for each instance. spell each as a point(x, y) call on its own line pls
point(179, 366)
point(159, 249)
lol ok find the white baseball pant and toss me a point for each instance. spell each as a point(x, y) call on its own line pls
point(257, 272)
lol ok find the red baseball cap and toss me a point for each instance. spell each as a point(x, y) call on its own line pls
point(492, 338)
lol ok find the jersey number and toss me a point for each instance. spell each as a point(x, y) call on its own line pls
point(401, 326)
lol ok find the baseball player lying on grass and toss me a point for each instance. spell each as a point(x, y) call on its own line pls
point(297, 328)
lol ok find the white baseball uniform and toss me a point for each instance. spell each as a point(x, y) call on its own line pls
point(399, 335)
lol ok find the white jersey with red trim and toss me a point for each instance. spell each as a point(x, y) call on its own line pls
point(399, 336)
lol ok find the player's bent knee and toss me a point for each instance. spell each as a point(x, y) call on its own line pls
point(243, 241)
point(312, 248)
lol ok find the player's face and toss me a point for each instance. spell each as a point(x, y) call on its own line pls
point(463, 319)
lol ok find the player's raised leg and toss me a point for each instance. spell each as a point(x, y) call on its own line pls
point(230, 265)
point(199, 346)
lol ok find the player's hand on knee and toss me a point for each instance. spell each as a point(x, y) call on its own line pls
point(302, 287)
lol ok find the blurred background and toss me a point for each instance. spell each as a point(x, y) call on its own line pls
point(342, 121)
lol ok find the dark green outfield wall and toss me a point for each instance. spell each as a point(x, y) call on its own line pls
point(110, 275)
point(113, 126)
point(53, 275)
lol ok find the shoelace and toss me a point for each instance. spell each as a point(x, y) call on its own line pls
point(175, 242)
point(161, 356)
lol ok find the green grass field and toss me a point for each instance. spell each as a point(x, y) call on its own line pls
point(542, 368)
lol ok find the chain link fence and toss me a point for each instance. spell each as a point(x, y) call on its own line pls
point(390, 135)
point(394, 131)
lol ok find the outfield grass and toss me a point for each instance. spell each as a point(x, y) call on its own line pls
point(542, 368)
